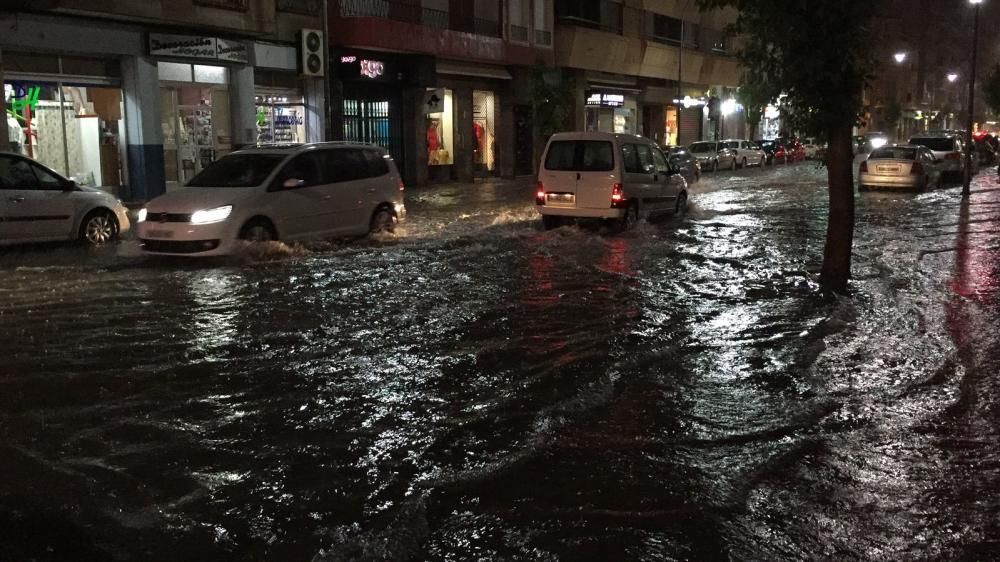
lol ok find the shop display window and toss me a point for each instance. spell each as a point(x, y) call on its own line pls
point(483, 130)
point(281, 117)
point(73, 129)
point(440, 127)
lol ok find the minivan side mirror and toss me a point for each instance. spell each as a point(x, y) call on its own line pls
point(650, 169)
point(292, 183)
point(69, 185)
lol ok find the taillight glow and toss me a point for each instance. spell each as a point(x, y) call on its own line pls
point(617, 195)
point(402, 186)
point(540, 194)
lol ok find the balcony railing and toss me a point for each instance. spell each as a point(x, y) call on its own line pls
point(307, 7)
point(517, 33)
point(239, 5)
point(543, 37)
point(487, 27)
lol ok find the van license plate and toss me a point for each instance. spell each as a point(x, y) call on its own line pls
point(161, 234)
point(561, 197)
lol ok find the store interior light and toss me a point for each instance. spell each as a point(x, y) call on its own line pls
point(900, 57)
point(952, 77)
point(729, 107)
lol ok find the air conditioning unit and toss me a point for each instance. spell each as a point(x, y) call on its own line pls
point(312, 53)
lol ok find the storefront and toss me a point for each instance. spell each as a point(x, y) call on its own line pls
point(66, 112)
point(611, 111)
point(288, 108)
point(370, 104)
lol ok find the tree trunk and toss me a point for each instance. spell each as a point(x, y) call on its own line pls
point(840, 227)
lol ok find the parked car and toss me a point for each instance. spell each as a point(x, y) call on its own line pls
point(746, 153)
point(308, 191)
point(949, 150)
point(774, 151)
point(39, 205)
point(986, 149)
point(713, 156)
point(606, 176)
point(900, 167)
point(864, 144)
point(681, 160)
point(814, 149)
point(794, 152)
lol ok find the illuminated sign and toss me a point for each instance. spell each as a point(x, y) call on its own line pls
point(21, 101)
point(186, 46)
point(372, 68)
point(348, 60)
point(601, 99)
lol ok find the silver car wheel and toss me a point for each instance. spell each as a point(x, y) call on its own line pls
point(100, 229)
point(257, 233)
point(383, 221)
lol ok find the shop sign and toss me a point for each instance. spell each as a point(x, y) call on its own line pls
point(192, 47)
point(372, 68)
point(21, 98)
point(434, 101)
point(601, 99)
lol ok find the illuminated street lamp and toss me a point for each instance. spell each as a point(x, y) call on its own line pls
point(952, 77)
point(972, 101)
point(900, 57)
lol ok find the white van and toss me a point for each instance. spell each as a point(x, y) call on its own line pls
point(606, 176)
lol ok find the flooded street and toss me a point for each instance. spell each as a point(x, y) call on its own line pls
point(475, 388)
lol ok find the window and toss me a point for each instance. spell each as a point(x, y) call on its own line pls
point(580, 156)
point(732, 145)
point(345, 164)
point(630, 156)
point(668, 29)
point(305, 167)
point(45, 179)
point(307, 7)
point(15, 174)
point(377, 166)
point(238, 170)
point(661, 162)
point(645, 158)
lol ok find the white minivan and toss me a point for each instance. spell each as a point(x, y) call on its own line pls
point(606, 176)
point(302, 192)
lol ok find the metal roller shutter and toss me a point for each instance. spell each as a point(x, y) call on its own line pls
point(689, 126)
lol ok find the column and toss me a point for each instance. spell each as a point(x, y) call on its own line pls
point(313, 90)
point(4, 138)
point(145, 177)
point(504, 129)
point(463, 134)
point(242, 107)
point(414, 138)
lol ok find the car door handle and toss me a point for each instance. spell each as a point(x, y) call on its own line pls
point(372, 190)
point(16, 199)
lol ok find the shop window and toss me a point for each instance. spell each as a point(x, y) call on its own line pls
point(281, 116)
point(206, 74)
point(74, 130)
point(174, 71)
point(483, 130)
point(440, 127)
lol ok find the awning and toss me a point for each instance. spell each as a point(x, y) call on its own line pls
point(470, 69)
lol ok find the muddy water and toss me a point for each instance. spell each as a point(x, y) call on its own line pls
point(474, 388)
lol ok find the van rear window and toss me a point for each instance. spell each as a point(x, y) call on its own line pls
point(580, 156)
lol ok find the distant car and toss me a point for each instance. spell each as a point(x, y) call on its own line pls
point(746, 153)
point(613, 177)
point(900, 167)
point(864, 144)
point(684, 163)
point(39, 205)
point(794, 152)
point(773, 150)
point(948, 149)
point(312, 191)
point(713, 156)
point(814, 149)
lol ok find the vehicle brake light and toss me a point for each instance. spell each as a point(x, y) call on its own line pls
point(953, 156)
point(540, 194)
point(402, 186)
point(864, 167)
point(917, 169)
point(617, 195)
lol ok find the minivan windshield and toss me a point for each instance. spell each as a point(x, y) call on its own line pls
point(703, 147)
point(580, 156)
point(941, 144)
point(238, 170)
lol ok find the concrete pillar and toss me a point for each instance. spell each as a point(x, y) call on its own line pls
point(504, 129)
point(144, 151)
point(414, 137)
point(242, 107)
point(4, 135)
point(463, 134)
point(336, 110)
point(315, 93)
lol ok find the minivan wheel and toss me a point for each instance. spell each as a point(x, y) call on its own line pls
point(100, 227)
point(715, 166)
point(383, 221)
point(744, 163)
point(258, 230)
point(733, 167)
point(682, 203)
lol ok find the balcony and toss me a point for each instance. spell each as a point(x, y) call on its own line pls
point(595, 14)
point(487, 27)
point(517, 33)
point(398, 11)
point(307, 7)
point(237, 5)
point(543, 37)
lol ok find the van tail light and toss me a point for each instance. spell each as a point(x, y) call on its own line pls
point(953, 156)
point(540, 194)
point(864, 167)
point(917, 169)
point(402, 186)
point(617, 196)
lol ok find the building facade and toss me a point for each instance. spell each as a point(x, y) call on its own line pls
point(648, 67)
point(444, 84)
point(140, 96)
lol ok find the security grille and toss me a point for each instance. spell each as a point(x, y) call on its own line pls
point(374, 122)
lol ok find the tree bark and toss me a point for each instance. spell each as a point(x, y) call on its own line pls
point(840, 226)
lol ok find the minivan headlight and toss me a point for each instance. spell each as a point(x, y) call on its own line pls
point(141, 216)
point(209, 216)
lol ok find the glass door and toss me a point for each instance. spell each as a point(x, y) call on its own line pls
point(195, 130)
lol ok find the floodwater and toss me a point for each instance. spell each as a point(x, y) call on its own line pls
point(474, 388)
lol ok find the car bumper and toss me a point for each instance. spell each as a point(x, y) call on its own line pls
point(124, 223)
point(183, 239)
point(577, 213)
point(891, 182)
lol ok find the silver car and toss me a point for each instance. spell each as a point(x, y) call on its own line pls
point(900, 167)
point(39, 205)
point(713, 156)
point(948, 150)
point(746, 153)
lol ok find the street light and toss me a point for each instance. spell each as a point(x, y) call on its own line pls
point(900, 57)
point(972, 102)
point(952, 77)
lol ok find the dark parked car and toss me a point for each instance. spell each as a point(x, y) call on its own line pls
point(986, 149)
point(774, 151)
point(684, 162)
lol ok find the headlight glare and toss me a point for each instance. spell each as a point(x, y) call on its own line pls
point(209, 216)
point(141, 217)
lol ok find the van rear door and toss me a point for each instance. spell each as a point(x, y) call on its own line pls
point(579, 173)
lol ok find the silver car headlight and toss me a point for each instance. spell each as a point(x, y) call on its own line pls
point(141, 215)
point(209, 216)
